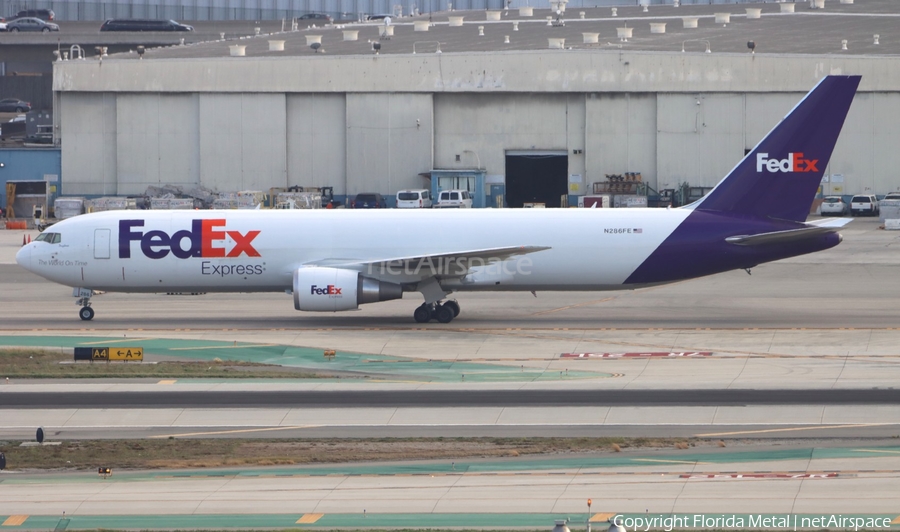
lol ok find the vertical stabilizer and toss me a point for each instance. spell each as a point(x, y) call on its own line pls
point(779, 178)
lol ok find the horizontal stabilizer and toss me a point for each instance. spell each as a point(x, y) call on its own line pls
point(820, 227)
point(830, 222)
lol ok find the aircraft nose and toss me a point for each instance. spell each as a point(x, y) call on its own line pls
point(23, 257)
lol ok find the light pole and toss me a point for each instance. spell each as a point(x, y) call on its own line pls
point(589, 516)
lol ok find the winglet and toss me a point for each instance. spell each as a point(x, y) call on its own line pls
point(779, 178)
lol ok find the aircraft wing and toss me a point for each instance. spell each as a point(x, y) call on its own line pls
point(451, 264)
point(817, 227)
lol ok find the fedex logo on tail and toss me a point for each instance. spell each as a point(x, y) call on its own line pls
point(205, 238)
point(329, 290)
point(794, 163)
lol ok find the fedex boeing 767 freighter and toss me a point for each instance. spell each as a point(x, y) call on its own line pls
point(333, 260)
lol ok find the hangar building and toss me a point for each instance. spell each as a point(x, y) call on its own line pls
point(527, 103)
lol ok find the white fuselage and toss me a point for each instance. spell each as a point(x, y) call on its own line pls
point(589, 249)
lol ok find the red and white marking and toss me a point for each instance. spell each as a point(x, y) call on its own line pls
point(739, 476)
point(685, 354)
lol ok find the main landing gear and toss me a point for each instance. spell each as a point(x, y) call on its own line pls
point(443, 312)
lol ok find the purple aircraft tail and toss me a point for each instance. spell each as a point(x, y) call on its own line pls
point(778, 179)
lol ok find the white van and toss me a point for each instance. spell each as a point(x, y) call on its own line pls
point(454, 199)
point(862, 204)
point(414, 199)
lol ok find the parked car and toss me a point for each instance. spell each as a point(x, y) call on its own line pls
point(891, 196)
point(13, 105)
point(864, 204)
point(414, 199)
point(316, 17)
point(834, 205)
point(31, 24)
point(123, 24)
point(368, 200)
point(454, 199)
point(43, 14)
point(3, 26)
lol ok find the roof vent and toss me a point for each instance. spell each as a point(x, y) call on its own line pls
point(238, 50)
point(515, 25)
point(817, 4)
point(787, 7)
point(481, 31)
point(591, 38)
point(556, 43)
point(624, 33)
point(753, 13)
point(276, 46)
point(492, 15)
point(313, 38)
point(657, 27)
point(420, 25)
point(506, 39)
point(876, 38)
point(615, 12)
point(456, 21)
point(846, 1)
point(581, 14)
point(844, 44)
point(351, 35)
point(690, 22)
point(526, 11)
point(723, 18)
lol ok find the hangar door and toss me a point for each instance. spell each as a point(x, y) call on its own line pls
point(536, 177)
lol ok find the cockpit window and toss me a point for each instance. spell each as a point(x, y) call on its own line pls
point(50, 238)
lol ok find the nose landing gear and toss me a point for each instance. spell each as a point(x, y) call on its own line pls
point(442, 312)
point(86, 313)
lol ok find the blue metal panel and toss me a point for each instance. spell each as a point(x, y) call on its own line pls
point(28, 164)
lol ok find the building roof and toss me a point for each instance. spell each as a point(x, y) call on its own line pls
point(805, 31)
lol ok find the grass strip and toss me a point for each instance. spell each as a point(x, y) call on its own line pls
point(173, 453)
point(43, 364)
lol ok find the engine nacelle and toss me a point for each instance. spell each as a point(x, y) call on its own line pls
point(334, 289)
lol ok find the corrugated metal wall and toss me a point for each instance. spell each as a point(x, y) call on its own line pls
point(38, 90)
point(376, 142)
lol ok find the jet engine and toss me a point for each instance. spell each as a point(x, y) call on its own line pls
point(334, 289)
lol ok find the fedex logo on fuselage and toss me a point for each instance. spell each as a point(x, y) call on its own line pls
point(794, 163)
point(329, 290)
point(205, 238)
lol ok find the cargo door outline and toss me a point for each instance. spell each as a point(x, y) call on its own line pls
point(101, 243)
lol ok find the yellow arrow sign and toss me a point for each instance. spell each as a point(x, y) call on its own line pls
point(126, 353)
